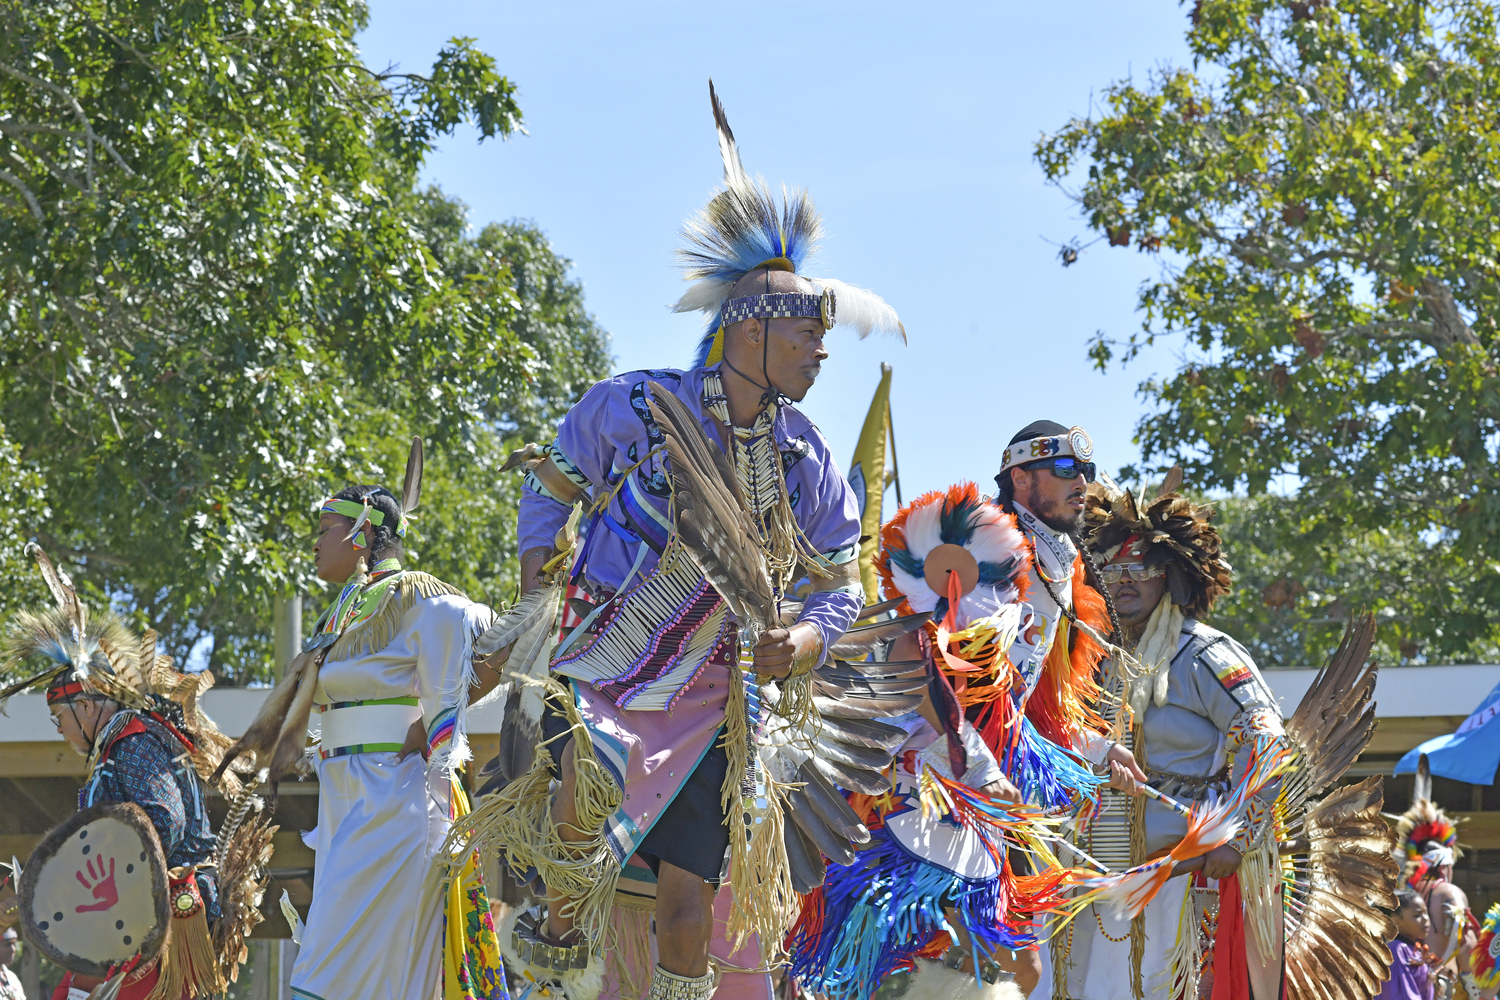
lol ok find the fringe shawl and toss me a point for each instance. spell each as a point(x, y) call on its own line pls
point(377, 632)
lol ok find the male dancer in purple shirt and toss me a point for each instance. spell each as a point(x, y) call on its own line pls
point(654, 672)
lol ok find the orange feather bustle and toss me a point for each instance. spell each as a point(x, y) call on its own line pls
point(1063, 701)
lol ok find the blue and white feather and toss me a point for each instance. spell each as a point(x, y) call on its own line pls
point(744, 227)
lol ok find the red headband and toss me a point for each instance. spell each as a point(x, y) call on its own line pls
point(63, 690)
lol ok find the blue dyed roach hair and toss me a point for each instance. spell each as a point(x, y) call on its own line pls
point(744, 228)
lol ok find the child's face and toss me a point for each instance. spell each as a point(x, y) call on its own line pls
point(1412, 921)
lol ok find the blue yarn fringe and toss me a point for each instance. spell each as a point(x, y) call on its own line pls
point(883, 909)
point(1047, 775)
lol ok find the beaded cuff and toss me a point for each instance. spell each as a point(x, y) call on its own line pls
point(669, 986)
point(1250, 723)
point(1256, 811)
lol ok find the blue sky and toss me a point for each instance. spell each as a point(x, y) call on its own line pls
point(912, 125)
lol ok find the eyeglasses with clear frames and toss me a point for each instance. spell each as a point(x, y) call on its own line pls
point(1137, 572)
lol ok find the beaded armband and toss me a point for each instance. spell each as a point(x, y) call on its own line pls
point(1251, 725)
point(552, 475)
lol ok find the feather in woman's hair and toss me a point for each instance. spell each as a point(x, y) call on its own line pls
point(411, 487)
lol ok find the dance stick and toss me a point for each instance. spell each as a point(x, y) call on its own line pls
point(1165, 800)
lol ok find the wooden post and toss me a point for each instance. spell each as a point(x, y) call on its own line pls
point(286, 630)
point(31, 971)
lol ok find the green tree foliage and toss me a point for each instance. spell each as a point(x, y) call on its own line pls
point(1321, 188)
point(1293, 595)
point(220, 298)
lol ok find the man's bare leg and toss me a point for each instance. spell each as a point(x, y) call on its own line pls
point(684, 921)
point(684, 901)
point(1025, 966)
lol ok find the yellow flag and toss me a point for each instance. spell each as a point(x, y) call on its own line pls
point(867, 476)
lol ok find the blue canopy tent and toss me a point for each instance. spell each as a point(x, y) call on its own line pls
point(1470, 754)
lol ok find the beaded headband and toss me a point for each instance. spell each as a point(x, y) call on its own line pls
point(1075, 442)
point(361, 512)
point(781, 305)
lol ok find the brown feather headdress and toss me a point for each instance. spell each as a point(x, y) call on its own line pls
point(1173, 531)
point(108, 659)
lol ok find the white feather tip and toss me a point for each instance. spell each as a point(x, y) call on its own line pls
point(862, 309)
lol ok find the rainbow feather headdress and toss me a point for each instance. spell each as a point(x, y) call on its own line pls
point(1417, 830)
point(744, 228)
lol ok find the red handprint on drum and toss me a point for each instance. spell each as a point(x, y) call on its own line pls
point(100, 884)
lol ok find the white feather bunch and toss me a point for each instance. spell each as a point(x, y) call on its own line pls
point(704, 295)
point(862, 309)
point(995, 539)
point(530, 629)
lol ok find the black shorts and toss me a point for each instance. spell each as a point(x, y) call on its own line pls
point(691, 833)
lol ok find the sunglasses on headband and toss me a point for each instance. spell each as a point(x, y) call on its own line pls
point(1065, 467)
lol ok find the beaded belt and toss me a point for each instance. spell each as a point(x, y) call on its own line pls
point(375, 726)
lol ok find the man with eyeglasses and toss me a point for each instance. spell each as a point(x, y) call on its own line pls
point(1043, 479)
point(1195, 697)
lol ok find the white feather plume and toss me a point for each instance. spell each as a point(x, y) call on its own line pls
point(704, 295)
point(924, 528)
point(862, 309)
point(994, 538)
point(530, 629)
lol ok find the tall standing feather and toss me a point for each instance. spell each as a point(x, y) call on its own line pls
point(63, 593)
point(1172, 483)
point(734, 170)
point(411, 487)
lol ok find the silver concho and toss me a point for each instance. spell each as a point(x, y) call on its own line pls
point(829, 308)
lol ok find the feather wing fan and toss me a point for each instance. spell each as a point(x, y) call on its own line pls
point(713, 522)
point(840, 743)
point(1343, 875)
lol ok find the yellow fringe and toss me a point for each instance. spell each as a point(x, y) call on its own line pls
point(376, 632)
point(518, 822)
point(764, 901)
point(188, 965)
point(628, 965)
point(1137, 857)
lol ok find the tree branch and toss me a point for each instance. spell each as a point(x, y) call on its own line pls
point(14, 181)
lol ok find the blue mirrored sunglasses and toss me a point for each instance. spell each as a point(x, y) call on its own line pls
point(1066, 468)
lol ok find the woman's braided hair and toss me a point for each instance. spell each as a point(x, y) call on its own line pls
point(382, 541)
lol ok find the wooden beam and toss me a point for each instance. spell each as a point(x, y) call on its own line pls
point(1479, 831)
point(289, 850)
point(1398, 735)
point(41, 760)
